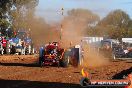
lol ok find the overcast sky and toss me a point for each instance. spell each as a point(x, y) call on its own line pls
point(51, 9)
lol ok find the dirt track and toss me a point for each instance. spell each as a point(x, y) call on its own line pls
point(22, 72)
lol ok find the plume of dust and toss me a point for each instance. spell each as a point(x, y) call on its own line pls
point(92, 58)
point(72, 32)
point(43, 33)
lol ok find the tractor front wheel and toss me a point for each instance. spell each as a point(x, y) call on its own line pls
point(41, 58)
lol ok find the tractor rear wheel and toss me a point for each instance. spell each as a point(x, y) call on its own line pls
point(65, 61)
point(41, 64)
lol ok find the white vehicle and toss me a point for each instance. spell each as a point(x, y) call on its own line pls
point(19, 48)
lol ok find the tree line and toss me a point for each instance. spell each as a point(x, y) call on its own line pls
point(117, 24)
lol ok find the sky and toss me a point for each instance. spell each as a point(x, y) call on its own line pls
point(50, 10)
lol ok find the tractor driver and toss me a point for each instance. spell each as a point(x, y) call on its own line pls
point(55, 51)
point(50, 48)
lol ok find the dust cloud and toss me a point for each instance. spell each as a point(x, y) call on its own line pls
point(43, 33)
point(72, 32)
point(92, 57)
point(75, 26)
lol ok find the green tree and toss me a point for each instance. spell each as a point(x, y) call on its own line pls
point(15, 13)
point(22, 12)
point(5, 5)
point(116, 24)
point(130, 29)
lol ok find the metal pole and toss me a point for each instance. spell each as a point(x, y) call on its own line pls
point(62, 13)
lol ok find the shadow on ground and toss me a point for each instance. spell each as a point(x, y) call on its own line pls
point(122, 73)
point(38, 84)
point(20, 64)
point(26, 65)
point(35, 84)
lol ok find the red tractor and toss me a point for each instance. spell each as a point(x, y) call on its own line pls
point(52, 54)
